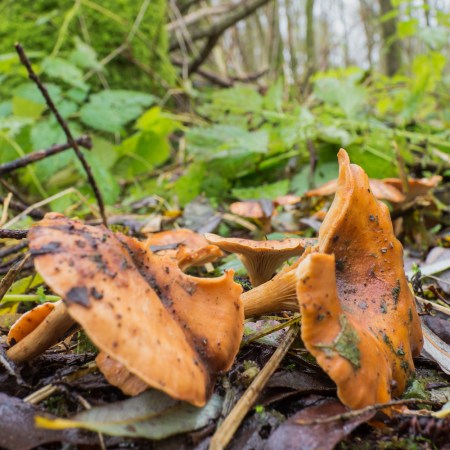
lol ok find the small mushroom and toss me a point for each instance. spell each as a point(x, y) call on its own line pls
point(261, 258)
point(186, 246)
point(173, 331)
point(47, 325)
point(276, 295)
point(28, 322)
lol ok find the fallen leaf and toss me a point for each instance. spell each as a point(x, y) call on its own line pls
point(151, 415)
point(17, 430)
point(293, 436)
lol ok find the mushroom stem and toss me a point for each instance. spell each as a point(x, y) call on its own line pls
point(47, 334)
point(275, 295)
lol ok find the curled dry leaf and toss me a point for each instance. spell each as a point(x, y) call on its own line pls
point(381, 190)
point(371, 288)
point(173, 331)
point(186, 246)
point(416, 186)
point(261, 258)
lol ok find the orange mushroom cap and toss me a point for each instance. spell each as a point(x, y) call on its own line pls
point(188, 247)
point(173, 331)
point(349, 352)
point(261, 258)
point(28, 322)
point(371, 281)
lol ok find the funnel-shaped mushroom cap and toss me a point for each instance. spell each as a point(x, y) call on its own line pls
point(186, 246)
point(173, 331)
point(28, 322)
point(261, 258)
point(349, 352)
point(371, 282)
point(276, 295)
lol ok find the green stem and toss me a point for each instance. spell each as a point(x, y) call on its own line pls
point(28, 298)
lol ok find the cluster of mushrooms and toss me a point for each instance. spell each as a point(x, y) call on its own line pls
point(156, 326)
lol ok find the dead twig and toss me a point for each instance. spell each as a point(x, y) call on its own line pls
point(13, 234)
point(32, 75)
point(10, 277)
point(84, 141)
point(13, 249)
point(229, 426)
point(372, 408)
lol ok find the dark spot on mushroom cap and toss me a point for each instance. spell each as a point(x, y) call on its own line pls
point(78, 295)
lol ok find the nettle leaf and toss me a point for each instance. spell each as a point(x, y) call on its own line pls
point(156, 121)
point(23, 107)
point(224, 141)
point(343, 93)
point(189, 186)
point(107, 183)
point(84, 56)
point(151, 415)
point(239, 98)
point(30, 92)
point(142, 152)
point(111, 110)
point(65, 71)
point(268, 191)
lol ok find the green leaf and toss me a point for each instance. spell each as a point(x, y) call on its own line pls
point(407, 28)
point(188, 186)
point(23, 107)
point(111, 110)
point(224, 141)
point(151, 415)
point(84, 56)
point(30, 92)
point(268, 191)
point(104, 151)
point(107, 183)
point(63, 70)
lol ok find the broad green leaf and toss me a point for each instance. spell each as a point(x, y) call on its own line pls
point(6, 108)
point(24, 284)
point(107, 183)
point(224, 141)
point(407, 28)
point(62, 69)
point(151, 415)
point(188, 186)
point(104, 151)
point(23, 107)
point(30, 92)
point(84, 56)
point(238, 98)
point(268, 191)
point(111, 110)
point(155, 121)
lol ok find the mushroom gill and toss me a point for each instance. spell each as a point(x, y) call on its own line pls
point(261, 258)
